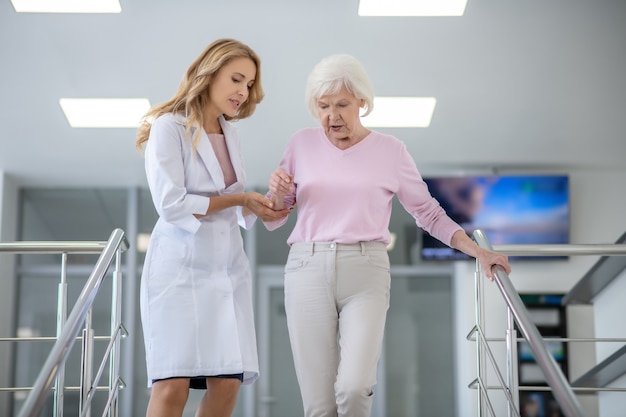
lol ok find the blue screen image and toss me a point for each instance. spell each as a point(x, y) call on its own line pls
point(531, 209)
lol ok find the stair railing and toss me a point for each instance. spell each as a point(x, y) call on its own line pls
point(517, 312)
point(53, 370)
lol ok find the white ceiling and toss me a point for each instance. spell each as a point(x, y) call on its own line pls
point(520, 84)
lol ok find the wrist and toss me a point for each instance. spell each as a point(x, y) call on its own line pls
point(243, 200)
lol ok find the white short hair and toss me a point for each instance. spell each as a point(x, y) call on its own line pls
point(334, 72)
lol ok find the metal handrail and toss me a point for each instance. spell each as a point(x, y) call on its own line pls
point(560, 250)
point(60, 351)
point(561, 389)
point(55, 247)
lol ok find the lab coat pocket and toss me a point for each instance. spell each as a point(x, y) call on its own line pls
point(170, 253)
point(216, 307)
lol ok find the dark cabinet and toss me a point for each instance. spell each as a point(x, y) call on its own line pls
point(548, 314)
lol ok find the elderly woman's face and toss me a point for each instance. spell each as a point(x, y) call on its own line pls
point(339, 115)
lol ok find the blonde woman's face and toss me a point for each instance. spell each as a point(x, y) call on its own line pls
point(231, 85)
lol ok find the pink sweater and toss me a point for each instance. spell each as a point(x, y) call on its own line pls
point(345, 196)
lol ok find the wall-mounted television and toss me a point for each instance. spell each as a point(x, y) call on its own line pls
point(509, 209)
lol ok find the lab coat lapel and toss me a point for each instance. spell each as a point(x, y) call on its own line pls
point(208, 157)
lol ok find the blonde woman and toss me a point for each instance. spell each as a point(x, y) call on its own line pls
point(196, 295)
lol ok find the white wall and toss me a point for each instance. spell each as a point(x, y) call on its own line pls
point(597, 216)
point(8, 229)
point(610, 311)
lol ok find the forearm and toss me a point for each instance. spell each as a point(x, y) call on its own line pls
point(251, 203)
point(222, 202)
point(465, 244)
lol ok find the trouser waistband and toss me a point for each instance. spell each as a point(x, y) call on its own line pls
point(336, 247)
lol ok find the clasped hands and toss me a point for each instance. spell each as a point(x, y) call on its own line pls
point(273, 208)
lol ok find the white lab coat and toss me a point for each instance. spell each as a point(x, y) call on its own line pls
point(196, 289)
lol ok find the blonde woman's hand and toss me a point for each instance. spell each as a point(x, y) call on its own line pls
point(263, 207)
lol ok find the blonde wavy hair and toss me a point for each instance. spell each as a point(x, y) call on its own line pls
point(193, 91)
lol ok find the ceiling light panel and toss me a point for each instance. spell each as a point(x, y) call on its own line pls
point(412, 7)
point(67, 6)
point(104, 112)
point(401, 112)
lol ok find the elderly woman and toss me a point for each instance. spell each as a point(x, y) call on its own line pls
point(337, 277)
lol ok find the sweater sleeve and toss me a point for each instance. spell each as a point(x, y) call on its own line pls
point(415, 197)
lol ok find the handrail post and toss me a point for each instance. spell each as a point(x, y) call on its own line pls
point(59, 384)
point(116, 315)
point(480, 355)
point(86, 374)
point(511, 360)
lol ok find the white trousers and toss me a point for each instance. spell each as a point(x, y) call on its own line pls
point(336, 300)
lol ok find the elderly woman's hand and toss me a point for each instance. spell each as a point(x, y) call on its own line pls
point(281, 183)
point(488, 259)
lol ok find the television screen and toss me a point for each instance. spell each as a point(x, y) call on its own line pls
point(556, 349)
point(532, 209)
